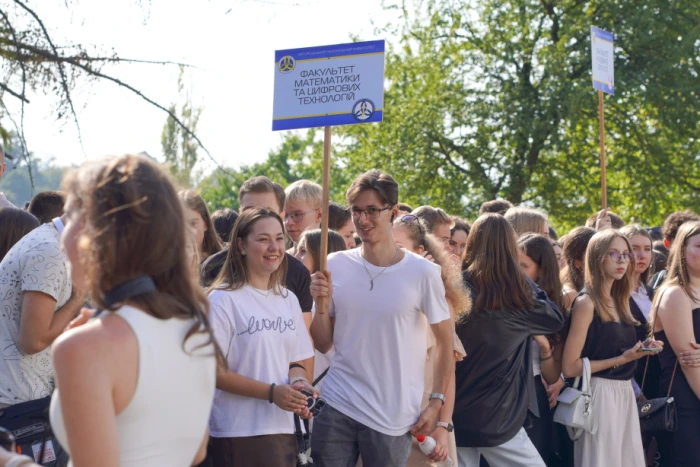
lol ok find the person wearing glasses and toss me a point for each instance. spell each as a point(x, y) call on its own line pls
point(603, 330)
point(382, 298)
point(302, 208)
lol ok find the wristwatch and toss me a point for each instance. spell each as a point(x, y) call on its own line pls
point(437, 395)
point(447, 426)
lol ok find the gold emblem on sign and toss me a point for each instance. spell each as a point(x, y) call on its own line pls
point(286, 64)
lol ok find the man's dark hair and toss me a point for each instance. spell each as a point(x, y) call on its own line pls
point(223, 220)
point(496, 206)
point(674, 222)
point(403, 207)
point(338, 216)
point(381, 183)
point(262, 184)
point(47, 205)
point(553, 233)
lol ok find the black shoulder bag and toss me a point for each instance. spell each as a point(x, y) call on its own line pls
point(658, 415)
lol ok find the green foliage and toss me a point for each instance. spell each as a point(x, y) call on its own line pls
point(16, 186)
point(179, 147)
point(493, 99)
point(300, 156)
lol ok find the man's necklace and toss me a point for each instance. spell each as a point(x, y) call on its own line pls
point(371, 279)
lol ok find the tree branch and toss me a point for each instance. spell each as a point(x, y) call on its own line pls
point(150, 101)
point(22, 138)
point(15, 94)
point(61, 71)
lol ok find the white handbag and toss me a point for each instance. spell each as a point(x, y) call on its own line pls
point(575, 409)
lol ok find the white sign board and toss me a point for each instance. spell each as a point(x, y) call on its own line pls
point(603, 60)
point(330, 85)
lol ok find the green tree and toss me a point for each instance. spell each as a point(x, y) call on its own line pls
point(493, 98)
point(179, 147)
point(299, 156)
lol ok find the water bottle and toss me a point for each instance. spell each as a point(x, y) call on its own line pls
point(427, 445)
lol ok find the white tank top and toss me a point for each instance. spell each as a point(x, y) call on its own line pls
point(165, 421)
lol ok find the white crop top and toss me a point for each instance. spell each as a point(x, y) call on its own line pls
point(165, 421)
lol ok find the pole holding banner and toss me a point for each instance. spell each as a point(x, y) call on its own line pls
point(325, 86)
point(603, 178)
point(603, 58)
point(323, 259)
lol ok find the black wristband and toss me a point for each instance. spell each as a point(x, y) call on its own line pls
point(296, 365)
point(272, 389)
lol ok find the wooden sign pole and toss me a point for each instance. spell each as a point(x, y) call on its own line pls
point(603, 183)
point(323, 260)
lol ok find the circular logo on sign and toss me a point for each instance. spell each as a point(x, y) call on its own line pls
point(363, 109)
point(286, 64)
point(646, 408)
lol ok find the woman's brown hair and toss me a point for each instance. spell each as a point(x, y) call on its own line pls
point(16, 223)
point(594, 278)
point(211, 243)
point(526, 220)
point(540, 250)
point(312, 242)
point(631, 231)
point(135, 226)
point(491, 266)
point(677, 264)
point(455, 291)
point(574, 246)
point(234, 273)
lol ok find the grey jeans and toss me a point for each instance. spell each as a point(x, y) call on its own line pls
point(338, 441)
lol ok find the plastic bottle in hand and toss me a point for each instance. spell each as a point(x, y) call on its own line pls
point(427, 445)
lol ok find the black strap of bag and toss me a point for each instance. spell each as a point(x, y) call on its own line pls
point(304, 438)
point(658, 415)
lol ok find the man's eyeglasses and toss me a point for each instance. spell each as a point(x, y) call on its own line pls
point(297, 216)
point(371, 213)
point(620, 257)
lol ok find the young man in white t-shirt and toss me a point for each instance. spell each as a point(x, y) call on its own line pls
point(382, 300)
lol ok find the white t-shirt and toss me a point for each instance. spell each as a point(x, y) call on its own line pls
point(35, 263)
point(377, 373)
point(260, 336)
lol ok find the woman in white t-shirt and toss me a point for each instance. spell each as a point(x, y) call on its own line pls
point(260, 329)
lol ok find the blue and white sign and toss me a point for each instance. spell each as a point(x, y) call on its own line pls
point(330, 85)
point(603, 60)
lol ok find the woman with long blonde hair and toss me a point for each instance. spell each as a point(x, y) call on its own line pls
point(676, 322)
point(602, 330)
point(410, 232)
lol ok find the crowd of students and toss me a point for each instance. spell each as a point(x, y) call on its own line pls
point(156, 334)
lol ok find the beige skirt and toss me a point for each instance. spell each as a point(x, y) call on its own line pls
point(618, 440)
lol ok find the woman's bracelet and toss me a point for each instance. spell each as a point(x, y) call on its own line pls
point(272, 389)
point(551, 354)
point(297, 379)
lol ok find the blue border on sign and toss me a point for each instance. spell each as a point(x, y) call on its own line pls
point(603, 87)
point(326, 51)
point(323, 120)
point(600, 34)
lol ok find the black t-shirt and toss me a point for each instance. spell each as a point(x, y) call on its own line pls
point(298, 277)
